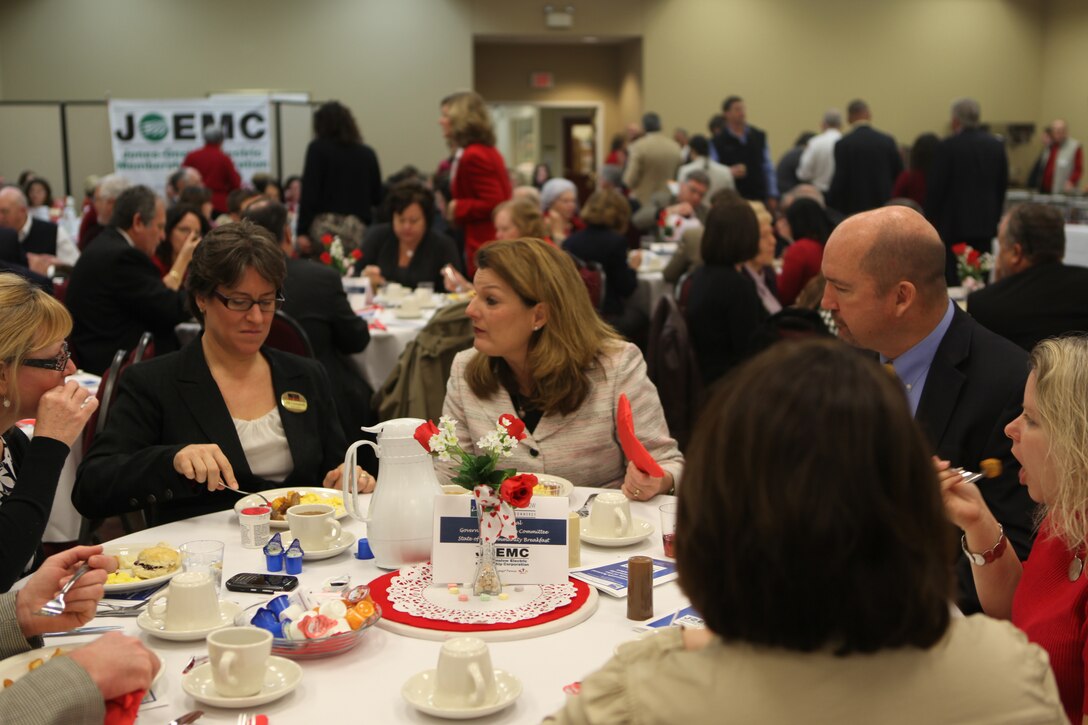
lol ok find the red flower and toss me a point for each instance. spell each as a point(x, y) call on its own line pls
point(423, 434)
point(661, 218)
point(518, 490)
point(515, 428)
point(356, 254)
point(972, 258)
point(959, 249)
point(326, 239)
point(326, 258)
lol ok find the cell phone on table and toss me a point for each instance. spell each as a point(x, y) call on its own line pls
point(262, 583)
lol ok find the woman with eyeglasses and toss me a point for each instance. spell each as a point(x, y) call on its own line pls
point(34, 360)
point(225, 411)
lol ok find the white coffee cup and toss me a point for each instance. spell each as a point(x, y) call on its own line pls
point(610, 516)
point(394, 290)
point(409, 307)
point(189, 602)
point(314, 525)
point(239, 659)
point(464, 677)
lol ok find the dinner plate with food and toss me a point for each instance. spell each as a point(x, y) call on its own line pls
point(141, 565)
point(16, 666)
point(284, 498)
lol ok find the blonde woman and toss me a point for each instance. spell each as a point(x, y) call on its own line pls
point(34, 360)
point(1047, 595)
point(542, 353)
point(519, 218)
point(478, 180)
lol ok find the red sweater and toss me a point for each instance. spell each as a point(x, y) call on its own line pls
point(480, 183)
point(800, 263)
point(218, 171)
point(1053, 612)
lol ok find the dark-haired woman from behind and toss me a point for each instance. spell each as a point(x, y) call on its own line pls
point(341, 174)
point(824, 576)
point(723, 307)
point(808, 227)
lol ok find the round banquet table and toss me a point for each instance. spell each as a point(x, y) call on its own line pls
point(365, 683)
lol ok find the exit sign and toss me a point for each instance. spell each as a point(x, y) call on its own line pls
point(541, 79)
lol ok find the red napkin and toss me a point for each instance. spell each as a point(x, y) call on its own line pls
point(123, 710)
point(632, 446)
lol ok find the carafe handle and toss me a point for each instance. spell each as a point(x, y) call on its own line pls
point(351, 483)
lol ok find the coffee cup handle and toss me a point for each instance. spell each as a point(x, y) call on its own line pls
point(334, 531)
point(158, 618)
point(622, 528)
point(226, 662)
point(479, 687)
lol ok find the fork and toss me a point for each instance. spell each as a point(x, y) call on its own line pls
point(55, 606)
point(969, 477)
point(584, 511)
point(244, 493)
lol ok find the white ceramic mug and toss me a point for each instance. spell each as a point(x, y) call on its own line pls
point(239, 659)
point(189, 602)
point(409, 307)
point(314, 525)
point(394, 290)
point(464, 677)
point(610, 516)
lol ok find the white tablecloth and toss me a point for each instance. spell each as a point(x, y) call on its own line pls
point(364, 684)
point(388, 338)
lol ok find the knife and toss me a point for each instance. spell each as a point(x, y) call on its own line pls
point(188, 718)
point(81, 631)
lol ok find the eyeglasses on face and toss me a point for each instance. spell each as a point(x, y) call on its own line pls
point(245, 304)
point(58, 363)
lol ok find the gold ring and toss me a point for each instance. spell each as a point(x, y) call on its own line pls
point(637, 493)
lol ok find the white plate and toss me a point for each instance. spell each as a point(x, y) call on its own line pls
point(402, 315)
point(134, 549)
point(452, 489)
point(15, 667)
point(565, 486)
point(273, 494)
point(281, 677)
point(643, 528)
point(227, 612)
point(345, 542)
point(419, 692)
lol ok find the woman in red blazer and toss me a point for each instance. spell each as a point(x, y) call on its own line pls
point(479, 180)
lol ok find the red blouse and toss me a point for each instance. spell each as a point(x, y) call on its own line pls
point(1053, 612)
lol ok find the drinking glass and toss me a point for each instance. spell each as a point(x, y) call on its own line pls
point(204, 555)
point(668, 528)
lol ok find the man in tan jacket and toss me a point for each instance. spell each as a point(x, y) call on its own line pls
point(651, 161)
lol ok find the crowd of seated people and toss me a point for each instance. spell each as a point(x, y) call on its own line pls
point(831, 564)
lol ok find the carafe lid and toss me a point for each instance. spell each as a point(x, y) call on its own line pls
point(395, 428)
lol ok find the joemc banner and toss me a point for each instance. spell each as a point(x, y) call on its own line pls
point(151, 137)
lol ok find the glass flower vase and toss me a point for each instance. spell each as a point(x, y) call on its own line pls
point(487, 579)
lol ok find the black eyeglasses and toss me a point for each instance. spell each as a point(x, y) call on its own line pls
point(245, 304)
point(57, 363)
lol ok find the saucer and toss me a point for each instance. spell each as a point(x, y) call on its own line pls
point(345, 542)
point(643, 528)
point(227, 612)
point(403, 315)
point(419, 692)
point(281, 677)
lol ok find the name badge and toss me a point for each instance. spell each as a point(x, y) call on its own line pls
point(294, 402)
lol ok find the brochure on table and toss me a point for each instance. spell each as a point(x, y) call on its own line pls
point(686, 617)
point(612, 578)
point(537, 556)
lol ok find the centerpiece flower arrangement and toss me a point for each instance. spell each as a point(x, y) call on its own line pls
point(498, 491)
point(334, 255)
point(973, 267)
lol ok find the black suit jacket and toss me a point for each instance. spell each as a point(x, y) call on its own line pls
point(965, 188)
point(315, 297)
point(172, 401)
point(115, 294)
point(975, 387)
point(1043, 301)
point(867, 163)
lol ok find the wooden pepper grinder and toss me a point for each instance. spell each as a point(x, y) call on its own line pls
point(640, 588)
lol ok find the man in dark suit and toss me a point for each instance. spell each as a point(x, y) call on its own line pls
point(315, 297)
point(867, 163)
point(747, 153)
point(965, 188)
point(13, 260)
point(43, 245)
point(115, 292)
point(1036, 296)
point(886, 291)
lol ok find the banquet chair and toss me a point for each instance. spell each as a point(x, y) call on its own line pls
point(593, 276)
point(672, 366)
point(683, 290)
point(144, 350)
point(287, 334)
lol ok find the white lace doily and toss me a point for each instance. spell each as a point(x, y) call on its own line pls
point(413, 592)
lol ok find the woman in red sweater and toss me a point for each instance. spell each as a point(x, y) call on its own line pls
point(479, 180)
point(809, 228)
point(1046, 596)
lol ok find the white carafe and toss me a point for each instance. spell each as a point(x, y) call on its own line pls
point(400, 521)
